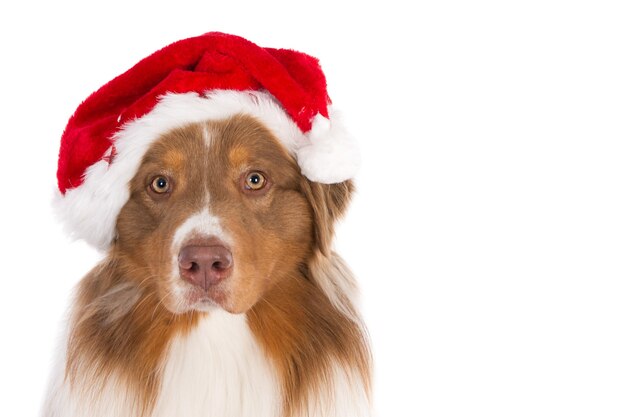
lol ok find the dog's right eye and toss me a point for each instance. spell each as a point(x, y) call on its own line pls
point(160, 185)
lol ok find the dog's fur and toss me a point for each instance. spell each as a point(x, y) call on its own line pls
point(279, 337)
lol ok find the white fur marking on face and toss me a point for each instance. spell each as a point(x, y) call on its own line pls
point(206, 135)
point(204, 224)
point(200, 224)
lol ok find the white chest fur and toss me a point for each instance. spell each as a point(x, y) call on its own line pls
point(218, 370)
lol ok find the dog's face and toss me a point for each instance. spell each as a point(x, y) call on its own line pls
point(218, 214)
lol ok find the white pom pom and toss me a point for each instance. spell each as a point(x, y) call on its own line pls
point(332, 155)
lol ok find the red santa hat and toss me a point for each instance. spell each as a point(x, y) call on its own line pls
point(209, 77)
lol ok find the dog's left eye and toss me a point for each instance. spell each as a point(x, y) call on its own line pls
point(255, 181)
point(160, 185)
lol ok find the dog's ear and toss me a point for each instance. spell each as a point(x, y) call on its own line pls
point(328, 203)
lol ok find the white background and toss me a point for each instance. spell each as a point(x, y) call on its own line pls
point(489, 231)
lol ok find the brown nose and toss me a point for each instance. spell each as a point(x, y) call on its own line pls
point(204, 266)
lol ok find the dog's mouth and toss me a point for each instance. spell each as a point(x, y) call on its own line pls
point(202, 300)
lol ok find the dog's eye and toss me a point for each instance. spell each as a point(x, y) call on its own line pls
point(160, 185)
point(255, 181)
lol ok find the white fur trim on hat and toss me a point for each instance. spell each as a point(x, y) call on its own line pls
point(331, 154)
point(326, 154)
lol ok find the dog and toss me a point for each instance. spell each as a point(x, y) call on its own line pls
point(220, 294)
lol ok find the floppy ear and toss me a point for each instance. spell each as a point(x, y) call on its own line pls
point(328, 202)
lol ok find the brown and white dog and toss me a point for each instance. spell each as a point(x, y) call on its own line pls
point(221, 295)
point(211, 174)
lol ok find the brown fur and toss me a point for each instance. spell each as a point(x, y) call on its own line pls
point(125, 314)
point(304, 334)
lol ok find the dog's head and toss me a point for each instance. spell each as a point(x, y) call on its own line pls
point(219, 213)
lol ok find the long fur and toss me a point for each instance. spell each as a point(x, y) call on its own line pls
point(217, 366)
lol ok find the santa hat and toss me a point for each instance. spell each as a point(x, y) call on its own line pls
point(209, 77)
